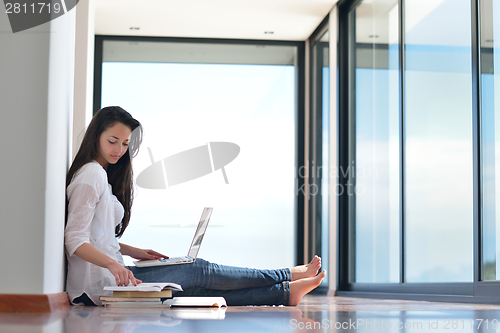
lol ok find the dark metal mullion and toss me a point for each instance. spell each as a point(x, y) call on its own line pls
point(318, 147)
point(98, 60)
point(476, 140)
point(312, 153)
point(300, 158)
point(402, 185)
point(343, 238)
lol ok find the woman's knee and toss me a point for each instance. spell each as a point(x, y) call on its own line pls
point(201, 262)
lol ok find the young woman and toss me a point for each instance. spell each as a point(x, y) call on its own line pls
point(100, 192)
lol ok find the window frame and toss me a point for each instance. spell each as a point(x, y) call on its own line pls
point(315, 225)
point(299, 198)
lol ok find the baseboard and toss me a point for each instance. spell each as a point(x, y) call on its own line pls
point(33, 303)
point(422, 297)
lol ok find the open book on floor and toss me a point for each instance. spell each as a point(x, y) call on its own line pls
point(147, 287)
point(191, 301)
point(178, 312)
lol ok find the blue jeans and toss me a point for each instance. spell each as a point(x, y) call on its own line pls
point(238, 285)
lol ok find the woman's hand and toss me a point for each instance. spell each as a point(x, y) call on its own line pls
point(122, 275)
point(148, 255)
point(140, 254)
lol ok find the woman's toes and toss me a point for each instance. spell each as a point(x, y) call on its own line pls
point(306, 271)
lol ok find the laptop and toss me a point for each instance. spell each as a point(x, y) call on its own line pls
point(193, 249)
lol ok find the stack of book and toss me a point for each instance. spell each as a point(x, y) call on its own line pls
point(142, 295)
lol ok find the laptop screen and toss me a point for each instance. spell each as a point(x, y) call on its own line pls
point(200, 232)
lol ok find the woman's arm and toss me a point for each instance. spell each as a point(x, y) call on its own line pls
point(91, 254)
point(140, 254)
point(84, 193)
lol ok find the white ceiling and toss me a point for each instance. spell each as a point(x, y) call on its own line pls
point(248, 19)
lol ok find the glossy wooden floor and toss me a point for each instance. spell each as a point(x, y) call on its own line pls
point(314, 314)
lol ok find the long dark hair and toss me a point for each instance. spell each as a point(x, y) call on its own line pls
point(120, 175)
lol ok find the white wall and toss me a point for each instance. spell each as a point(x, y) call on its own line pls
point(60, 106)
point(36, 93)
point(84, 71)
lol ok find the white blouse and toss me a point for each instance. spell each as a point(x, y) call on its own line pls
point(93, 214)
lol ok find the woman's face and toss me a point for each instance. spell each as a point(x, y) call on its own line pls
point(113, 143)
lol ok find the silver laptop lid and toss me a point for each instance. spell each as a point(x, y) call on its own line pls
point(200, 232)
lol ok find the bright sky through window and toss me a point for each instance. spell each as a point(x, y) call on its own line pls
point(183, 106)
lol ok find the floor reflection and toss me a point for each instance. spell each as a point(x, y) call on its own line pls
point(314, 314)
point(240, 319)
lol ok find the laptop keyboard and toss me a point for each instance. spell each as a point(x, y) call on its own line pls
point(176, 259)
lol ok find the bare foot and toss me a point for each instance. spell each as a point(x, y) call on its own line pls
point(306, 271)
point(301, 287)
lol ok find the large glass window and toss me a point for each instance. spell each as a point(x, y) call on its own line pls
point(490, 105)
point(409, 167)
point(373, 170)
point(438, 141)
point(418, 98)
point(188, 95)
